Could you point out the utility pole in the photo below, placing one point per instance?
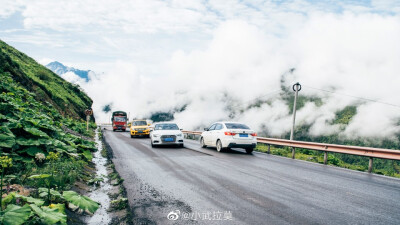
(296, 88)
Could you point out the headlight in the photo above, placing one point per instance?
(156, 135)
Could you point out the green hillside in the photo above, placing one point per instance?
(66, 98)
(44, 150)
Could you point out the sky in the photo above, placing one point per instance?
(217, 56)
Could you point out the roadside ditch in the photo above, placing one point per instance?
(111, 189)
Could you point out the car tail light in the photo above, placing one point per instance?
(230, 134)
(254, 134)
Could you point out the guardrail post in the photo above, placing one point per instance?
(293, 152)
(325, 157)
(269, 149)
(371, 160)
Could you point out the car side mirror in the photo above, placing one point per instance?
(206, 129)
(181, 129)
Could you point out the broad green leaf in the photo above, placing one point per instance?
(44, 191)
(88, 155)
(58, 143)
(6, 141)
(28, 199)
(6, 131)
(7, 138)
(36, 132)
(10, 177)
(27, 142)
(45, 141)
(69, 148)
(34, 122)
(39, 176)
(13, 124)
(81, 201)
(49, 216)
(9, 198)
(15, 215)
(32, 151)
(60, 207)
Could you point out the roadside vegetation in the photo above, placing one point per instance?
(381, 166)
(40, 161)
(44, 150)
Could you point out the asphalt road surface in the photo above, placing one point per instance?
(202, 186)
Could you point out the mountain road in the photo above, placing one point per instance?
(194, 185)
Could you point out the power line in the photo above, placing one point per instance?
(352, 96)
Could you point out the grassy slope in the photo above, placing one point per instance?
(38, 136)
(66, 98)
(32, 116)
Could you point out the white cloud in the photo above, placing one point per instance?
(45, 61)
(9, 7)
(374, 121)
(245, 62)
(215, 55)
(73, 78)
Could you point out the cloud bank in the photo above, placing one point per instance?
(214, 58)
(347, 53)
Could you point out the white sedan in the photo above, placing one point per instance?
(225, 135)
(166, 133)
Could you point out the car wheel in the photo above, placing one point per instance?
(131, 136)
(181, 145)
(113, 130)
(152, 145)
(124, 130)
(219, 146)
(202, 144)
(249, 150)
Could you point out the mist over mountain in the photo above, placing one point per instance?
(246, 75)
(61, 70)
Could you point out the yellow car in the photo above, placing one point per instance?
(140, 128)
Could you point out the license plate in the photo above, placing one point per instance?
(243, 135)
(168, 139)
(140, 131)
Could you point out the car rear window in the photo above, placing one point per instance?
(236, 126)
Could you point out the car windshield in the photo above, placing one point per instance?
(119, 119)
(236, 126)
(139, 123)
(166, 126)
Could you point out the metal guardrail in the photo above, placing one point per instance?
(344, 149)
(192, 132)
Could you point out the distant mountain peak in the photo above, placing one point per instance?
(61, 69)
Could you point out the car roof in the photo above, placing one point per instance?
(227, 122)
(164, 123)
